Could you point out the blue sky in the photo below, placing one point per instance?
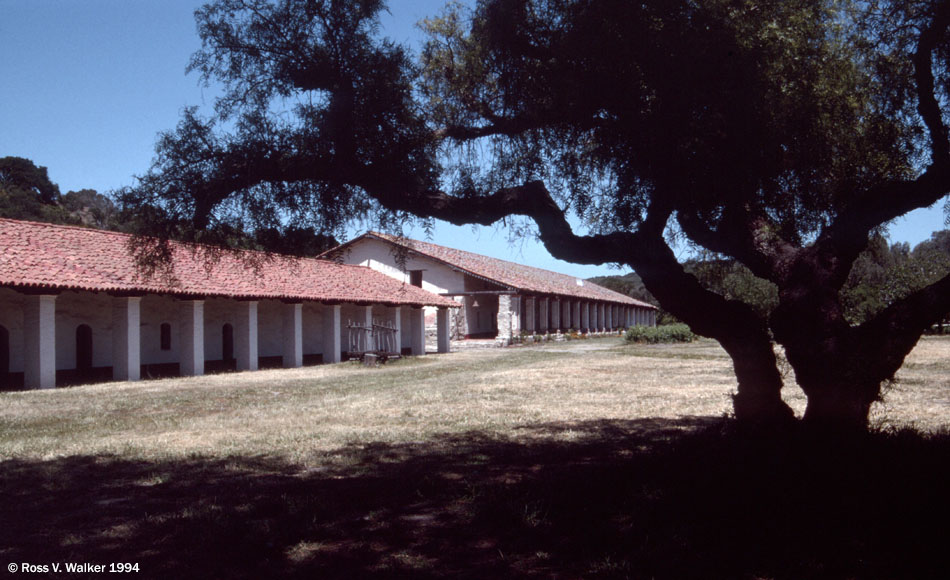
(86, 86)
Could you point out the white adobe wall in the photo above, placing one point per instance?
(270, 328)
(313, 317)
(218, 312)
(74, 309)
(436, 278)
(155, 311)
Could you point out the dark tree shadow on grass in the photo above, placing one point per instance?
(688, 498)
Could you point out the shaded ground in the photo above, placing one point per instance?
(647, 498)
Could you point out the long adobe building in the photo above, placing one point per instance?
(498, 299)
(74, 307)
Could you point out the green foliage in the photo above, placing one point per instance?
(26, 193)
(883, 274)
(728, 278)
(765, 104)
(320, 110)
(18, 173)
(734, 281)
(92, 209)
(629, 284)
(667, 333)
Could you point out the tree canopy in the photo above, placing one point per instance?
(27, 193)
(780, 135)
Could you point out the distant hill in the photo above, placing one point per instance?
(628, 284)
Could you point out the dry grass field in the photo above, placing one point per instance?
(587, 459)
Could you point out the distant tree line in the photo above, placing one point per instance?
(883, 274)
(27, 193)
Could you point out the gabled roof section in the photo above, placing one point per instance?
(519, 277)
(46, 257)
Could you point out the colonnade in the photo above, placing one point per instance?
(46, 333)
(520, 314)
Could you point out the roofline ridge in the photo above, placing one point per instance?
(561, 274)
(179, 243)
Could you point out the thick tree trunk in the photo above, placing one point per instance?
(839, 407)
(839, 367)
(839, 380)
(736, 326)
(758, 401)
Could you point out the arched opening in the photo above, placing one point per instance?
(227, 342)
(83, 348)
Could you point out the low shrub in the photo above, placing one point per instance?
(660, 334)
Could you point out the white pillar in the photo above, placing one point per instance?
(608, 317)
(332, 335)
(442, 329)
(293, 335)
(585, 318)
(514, 308)
(397, 320)
(417, 330)
(39, 336)
(126, 338)
(566, 314)
(529, 319)
(556, 315)
(543, 314)
(507, 318)
(245, 336)
(576, 316)
(368, 322)
(192, 338)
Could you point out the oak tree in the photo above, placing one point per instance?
(780, 135)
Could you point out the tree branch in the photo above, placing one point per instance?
(886, 339)
(927, 103)
(751, 240)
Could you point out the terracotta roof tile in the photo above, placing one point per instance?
(51, 257)
(515, 276)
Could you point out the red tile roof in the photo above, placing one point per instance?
(40, 257)
(527, 279)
